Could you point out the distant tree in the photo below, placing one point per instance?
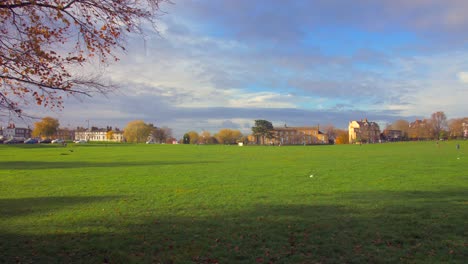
(110, 135)
(137, 131)
(167, 131)
(170, 140)
(47, 127)
(228, 136)
(193, 136)
(438, 123)
(205, 137)
(160, 134)
(443, 134)
(263, 129)
(186, 139)
(212, 140)
(401, 125)
(455, 127)
(342, 137)
(420, 130)
(45, 43)
(330, 131)
(244, 139)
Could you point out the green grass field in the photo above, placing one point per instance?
(383, 203)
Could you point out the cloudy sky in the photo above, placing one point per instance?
(222, 64)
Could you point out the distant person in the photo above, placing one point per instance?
(458, 146)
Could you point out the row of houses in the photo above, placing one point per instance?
(363, 131)
(369, 132)
(282, 135)
(94, 134)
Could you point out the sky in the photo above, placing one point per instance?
(223, 64)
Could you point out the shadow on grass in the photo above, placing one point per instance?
(104, 145)
(37, 165)
(39, 205)
(68, 146)
(422, 229)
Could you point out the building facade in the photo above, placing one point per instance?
(420, 130)
(65, 134)
(393, 135)
(100, 135)
(11, 131)
(293, 136)
(363, 132)
(465, 128)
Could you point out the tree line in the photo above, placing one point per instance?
(437, 126)
(136, 131)
(224, 136)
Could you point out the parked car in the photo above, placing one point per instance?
(31, 141)
(12, 141)
(45, 141)
(80, 141)
(57, 141)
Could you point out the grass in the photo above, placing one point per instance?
(383, 203)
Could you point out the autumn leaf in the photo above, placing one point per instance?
(28, 58)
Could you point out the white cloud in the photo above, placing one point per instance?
(463, 77)
(262, 99)
(199, 74)
(427, 84)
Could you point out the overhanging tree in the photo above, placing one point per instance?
(43, 43)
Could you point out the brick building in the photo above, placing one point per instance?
(294, 136)
(363, 131)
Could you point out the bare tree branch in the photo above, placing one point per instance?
(37, 50)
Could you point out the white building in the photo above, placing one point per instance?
(100, 135)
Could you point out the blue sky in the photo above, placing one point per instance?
(218, 64)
